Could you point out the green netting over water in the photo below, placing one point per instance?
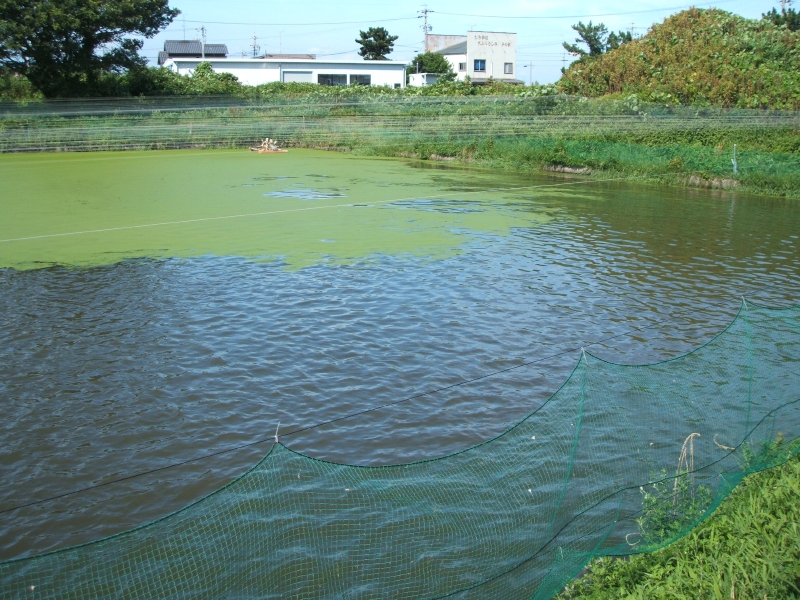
(621, 459)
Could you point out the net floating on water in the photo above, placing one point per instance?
(590, 472)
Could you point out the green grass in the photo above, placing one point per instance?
(620, 137)
(749, 548)
(760, 171)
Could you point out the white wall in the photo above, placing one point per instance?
(423, 79)
(256, 71)
(496, 49)
(434, 42)
(455, 60)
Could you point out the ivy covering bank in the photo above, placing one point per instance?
(701, 57)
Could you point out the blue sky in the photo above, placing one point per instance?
(329, 28)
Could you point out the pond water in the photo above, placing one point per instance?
(159, 306)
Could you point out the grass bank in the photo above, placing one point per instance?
(619, 137)
(759, 171)
(748, 548)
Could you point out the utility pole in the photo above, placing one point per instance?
(202, 31)
(425, 27)
(530, 72)
(255, 46)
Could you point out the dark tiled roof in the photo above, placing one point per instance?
(460, 48)
(162, 57)
(193, 48)
(216, 50)
(175, 47)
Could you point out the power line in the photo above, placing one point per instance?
(585, 16)
(275, 438)
(307, 23)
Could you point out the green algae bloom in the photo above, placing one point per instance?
(302, 208)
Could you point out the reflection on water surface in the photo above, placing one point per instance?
(169, 342)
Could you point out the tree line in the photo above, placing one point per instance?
(68, 48)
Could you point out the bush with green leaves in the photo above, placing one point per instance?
(699, 57)
(748, 548)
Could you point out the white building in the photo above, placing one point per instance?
(257, 71)
(423, 79)
(481, 55)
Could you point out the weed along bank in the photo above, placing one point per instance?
(300, 69)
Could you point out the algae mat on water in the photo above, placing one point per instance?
(303, 207)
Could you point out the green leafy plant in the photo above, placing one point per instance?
(699, 57)
(74, 47)
(748, 548)
(670, 506)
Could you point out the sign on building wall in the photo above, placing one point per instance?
(491, 54)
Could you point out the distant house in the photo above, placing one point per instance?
(423, 79)
(191, 49)
(481, 55)
(299, 68)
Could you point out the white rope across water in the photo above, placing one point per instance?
(307, 208)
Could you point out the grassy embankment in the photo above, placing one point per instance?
(606, 137)
(698, 58)
(689, 68)
(748, 548)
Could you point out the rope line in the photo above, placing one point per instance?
(307, 208)
(358, 413)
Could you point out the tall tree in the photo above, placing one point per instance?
(597, 39)
(787, 16)
(615, 40)
(594, 36)
(65, 47)
(376, 43)
(431, 62)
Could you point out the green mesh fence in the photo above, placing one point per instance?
(621, 459)
(516, 132)
(208, 123)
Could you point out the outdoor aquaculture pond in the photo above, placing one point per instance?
(158, 307)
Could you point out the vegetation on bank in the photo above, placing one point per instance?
(650, 160)
(153, 82)
(690, 59)
(748, 548)
(699, 57)
(606, 137)
(695, 57)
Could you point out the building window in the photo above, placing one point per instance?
(361, 79)
(462, 67)
(331, 79)
(480, 65)
(508, 68)
(298, 77)
(397, 86)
